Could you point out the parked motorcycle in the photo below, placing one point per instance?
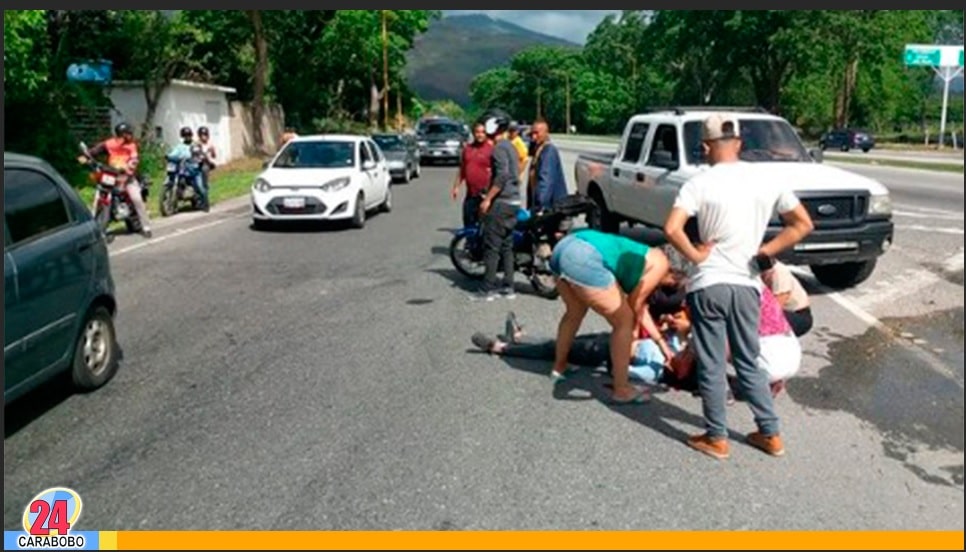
(540, 231)
(178, 188)
(112, 201)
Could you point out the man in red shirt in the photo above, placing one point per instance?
(474, 173)
(122, 154)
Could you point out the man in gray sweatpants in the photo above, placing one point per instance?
(733, 202)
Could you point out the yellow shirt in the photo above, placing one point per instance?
(522, 151)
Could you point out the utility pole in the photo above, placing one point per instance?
(385, 69)
(567, 77)
(948, 75)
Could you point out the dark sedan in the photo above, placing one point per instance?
(402, 155)
(846, 139)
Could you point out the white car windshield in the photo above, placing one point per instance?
(316, 155)
(761, 140)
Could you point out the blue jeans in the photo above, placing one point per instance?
(198, 183)
(580, 263)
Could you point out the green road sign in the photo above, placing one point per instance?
(924, 55)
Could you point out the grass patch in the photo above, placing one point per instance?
(227, 182)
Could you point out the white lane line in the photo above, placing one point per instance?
(921, 209)
(900, 285)
(926, 357)
(176, 234)
(954, 263)
(931, 229)
(929, 216)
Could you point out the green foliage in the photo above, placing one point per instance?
(817, 68)
(322, 64)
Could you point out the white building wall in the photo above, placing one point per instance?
(178, 106)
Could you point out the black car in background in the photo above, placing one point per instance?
(846, 139)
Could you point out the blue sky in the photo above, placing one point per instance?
(573, 25)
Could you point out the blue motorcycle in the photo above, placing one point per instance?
(178, 187)
(533, 240)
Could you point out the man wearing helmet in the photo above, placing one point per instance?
(192, 156)
(208, 148)
(122, 154)
(499, 208)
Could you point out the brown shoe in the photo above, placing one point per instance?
(771, 444)
(715, 447)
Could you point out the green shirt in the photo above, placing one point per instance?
(623, 256)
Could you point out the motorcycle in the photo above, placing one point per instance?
(112, 201)
(532, 233)
(178, 187)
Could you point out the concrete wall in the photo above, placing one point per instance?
(273, 125)
(179, 106)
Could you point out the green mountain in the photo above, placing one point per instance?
(456, 48)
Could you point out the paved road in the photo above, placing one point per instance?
(947, 157)
(321, 378)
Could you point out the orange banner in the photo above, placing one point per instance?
(510, 540)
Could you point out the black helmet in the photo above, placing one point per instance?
(203, 131)
(122, 129)
(495, 121)
(186, 132)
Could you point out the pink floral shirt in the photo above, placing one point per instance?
(773, 321)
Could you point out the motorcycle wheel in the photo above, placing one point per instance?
(103, 218)
(168, 202)
(463, 259)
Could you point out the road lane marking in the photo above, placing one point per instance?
(931, 229)
(850, 306)
(928, 215)
(176, 234)
(954, 263)
(900, 285)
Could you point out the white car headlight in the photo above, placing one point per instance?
(337, 184)
(262, 185)
(452, 143)
(880, 205)
(422, 143)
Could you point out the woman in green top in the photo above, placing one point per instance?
(613, 275)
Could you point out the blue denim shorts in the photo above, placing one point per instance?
(580, 263)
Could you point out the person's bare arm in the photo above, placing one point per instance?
(798, 225)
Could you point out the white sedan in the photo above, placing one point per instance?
(325, 177)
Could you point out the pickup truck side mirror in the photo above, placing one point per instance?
(817, 154)
(664, 160)
(368, 165)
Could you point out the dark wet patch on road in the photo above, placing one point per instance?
(884, 381)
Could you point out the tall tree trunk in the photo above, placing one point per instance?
(260, 79)
(152, 95)
(843, 103)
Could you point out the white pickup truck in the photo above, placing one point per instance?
(659, 151)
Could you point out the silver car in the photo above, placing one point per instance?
(402, 155)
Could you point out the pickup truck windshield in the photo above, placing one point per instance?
(762, 140)
(443, 128)
(316, 155)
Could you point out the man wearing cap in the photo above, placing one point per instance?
(733, 202)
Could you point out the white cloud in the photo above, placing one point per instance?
(572, 25)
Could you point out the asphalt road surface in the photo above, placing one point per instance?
(323, 378)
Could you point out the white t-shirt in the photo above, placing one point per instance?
(733, 203)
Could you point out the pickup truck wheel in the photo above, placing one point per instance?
(601, 218)
(845, 275)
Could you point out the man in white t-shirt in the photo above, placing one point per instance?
(733, 202)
